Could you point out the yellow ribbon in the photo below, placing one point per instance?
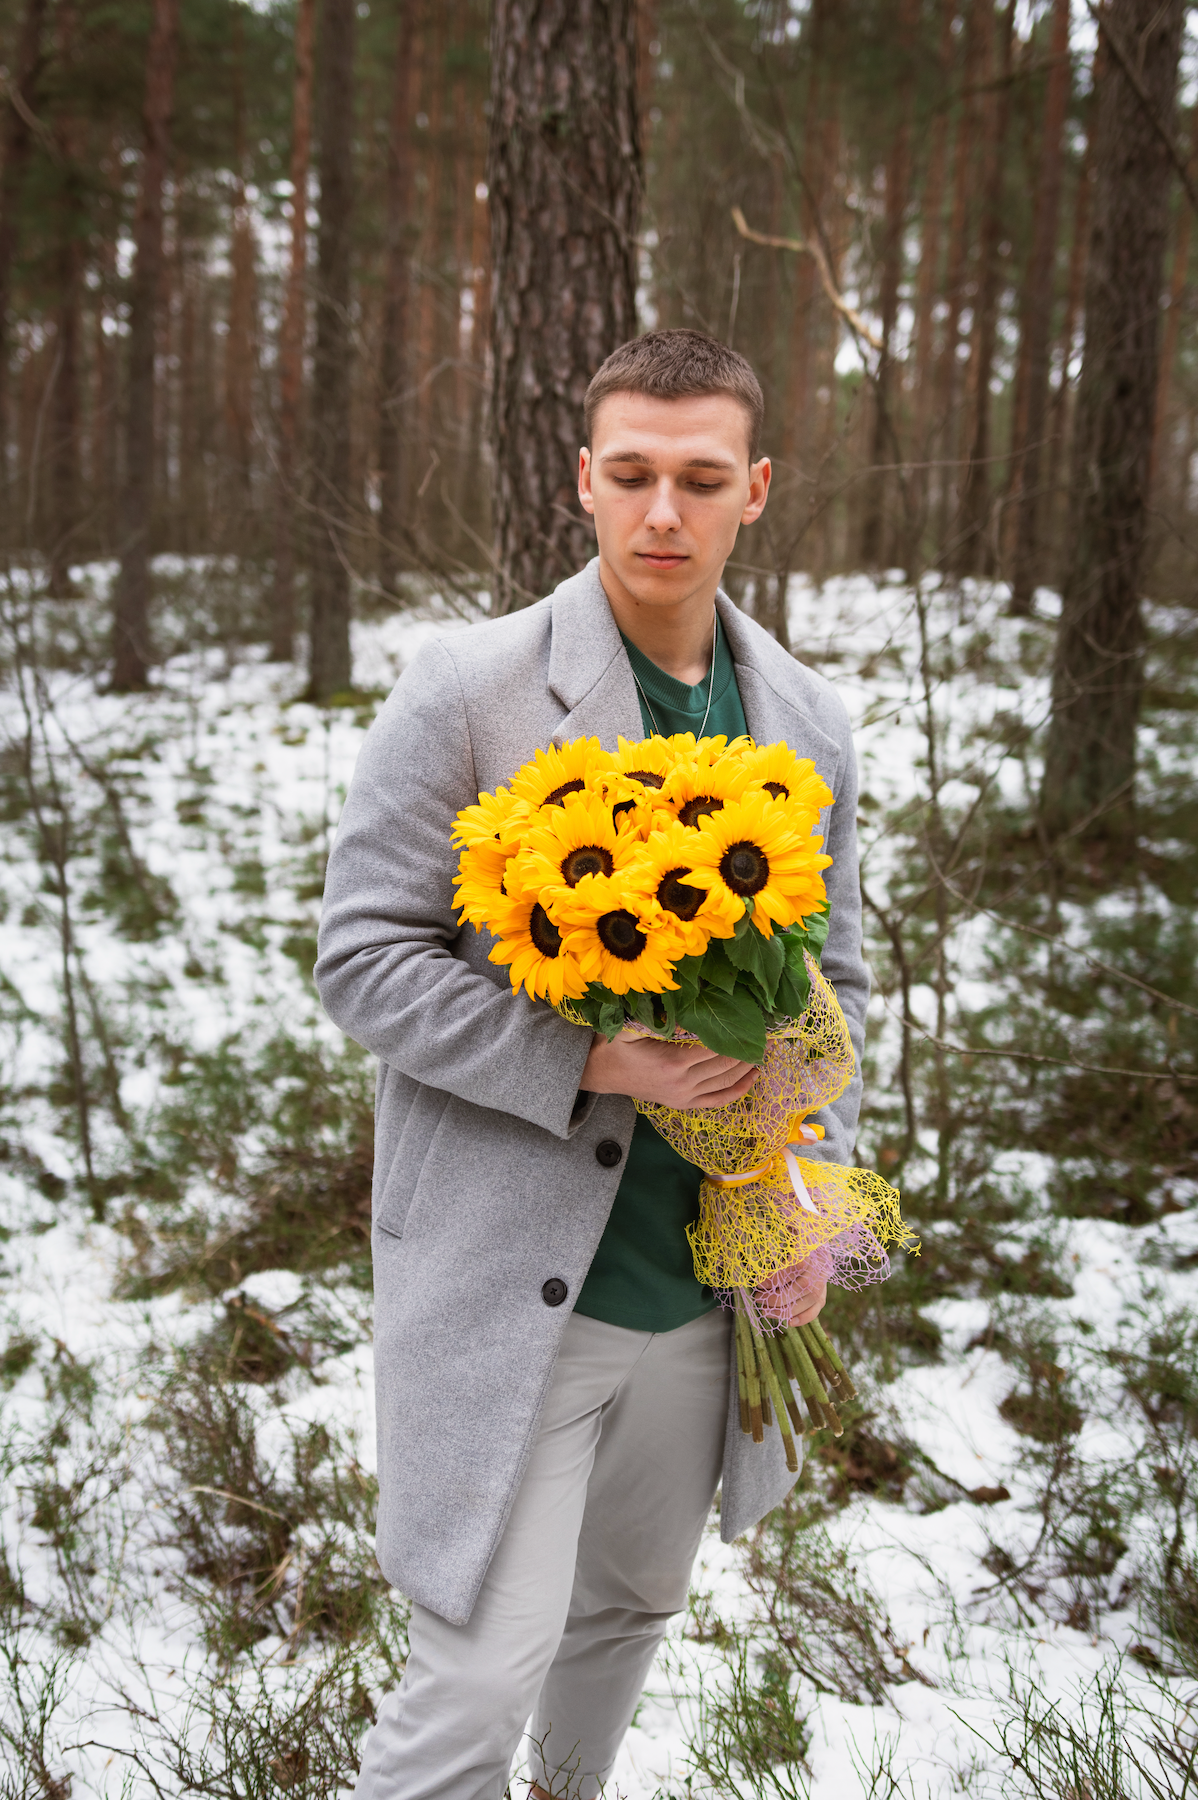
(807, 1134)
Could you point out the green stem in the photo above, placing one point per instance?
(771, 1383)
(752, 1383)
(780, 1370)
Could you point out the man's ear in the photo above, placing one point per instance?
(759, 487)
(586, 498)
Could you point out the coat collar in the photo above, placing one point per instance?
(591, 676)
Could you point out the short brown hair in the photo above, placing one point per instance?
(678, 365)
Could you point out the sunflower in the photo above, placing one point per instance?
(531, 943)
(577, 838)
(705, 782)
(647, 760)
(755, 850)
(701, 906)
(497, 818)
(484, 881)
(556, 772)
(620, 936)
(777, 769)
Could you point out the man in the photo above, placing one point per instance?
(556, 1393)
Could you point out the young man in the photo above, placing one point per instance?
(556, 1393)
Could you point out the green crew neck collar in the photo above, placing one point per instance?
(675, 696)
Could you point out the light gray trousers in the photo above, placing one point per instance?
(595, 1557)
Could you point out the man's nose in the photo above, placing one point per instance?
(662, 514)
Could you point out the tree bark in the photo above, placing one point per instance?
(330, 669)
(1079, 250)
(1097, 674)
(969, 548)
(240, 336)
(1036, 334)
(393, 369)
(64, 458)
(885, 446)
(291, 347)
(929, 276)
(17, 142)
(565, 185)
(1177, 288)
(964, 163)
(131, 613)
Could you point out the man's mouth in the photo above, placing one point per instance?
(661, 559)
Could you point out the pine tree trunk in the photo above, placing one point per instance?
(1177, 288)
(929, 276)
(1036, 334)
(17, 142)
(64, 446)
(965, 149)
(330, 668)
(291, 346)
(393, 369)
(131, 610)
(885, 448)
(240, 336)
(564, 178)
(1097, 674)
(798, 438)
(1079, 250)
(970, 551)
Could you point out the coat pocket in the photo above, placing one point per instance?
(394, 1199)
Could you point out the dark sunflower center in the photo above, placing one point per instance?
(620, 933)
(622, 807)
(559, 793)
(543, 932)
(776, 789)
(646, 777)
(745, 868)
(694, 809)
(588, 859)
(673, 893)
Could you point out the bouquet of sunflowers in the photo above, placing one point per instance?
(674, 888)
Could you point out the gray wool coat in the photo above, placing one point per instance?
(486, 1179)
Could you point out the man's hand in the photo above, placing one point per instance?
(682, 1075)
(803, 1307)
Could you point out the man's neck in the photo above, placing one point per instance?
(679, 638)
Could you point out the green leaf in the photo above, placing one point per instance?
(730, 1024)
(715, 967)
(793, 992)
(612, 1018)
(640, 1006)
(762, 957)
(817, 932)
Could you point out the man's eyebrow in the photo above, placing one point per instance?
(692, 462)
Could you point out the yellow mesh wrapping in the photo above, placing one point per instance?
(751, 1231)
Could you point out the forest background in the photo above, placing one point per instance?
(250, 451)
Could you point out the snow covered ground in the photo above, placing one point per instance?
(227, 794)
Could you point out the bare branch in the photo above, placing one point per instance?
(825, 274)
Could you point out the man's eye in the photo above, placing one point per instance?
(706, 487)
(630, 480)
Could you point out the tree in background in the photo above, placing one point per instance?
(1097, 676)
(18, 116)
(393, 356)
(131, 609)
(291, 346)
(328, 538)
(564, 175)
(1035, 336)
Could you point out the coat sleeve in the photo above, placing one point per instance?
(843, 961)
(390, 971)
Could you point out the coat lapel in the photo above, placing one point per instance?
(590, 675)
(773, 717)
(589, 672)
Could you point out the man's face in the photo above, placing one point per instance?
(669, 483)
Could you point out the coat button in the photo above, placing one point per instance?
(554, 1292)
(608, 1152)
